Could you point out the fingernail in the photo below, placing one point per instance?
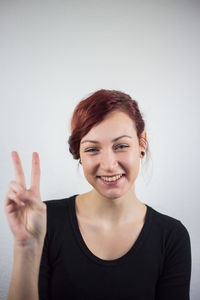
(22, 203)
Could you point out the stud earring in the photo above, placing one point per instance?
(143, 153)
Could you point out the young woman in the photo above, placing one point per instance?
(106, 243)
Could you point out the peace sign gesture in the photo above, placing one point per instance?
(25, 211)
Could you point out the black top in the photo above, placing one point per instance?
(157, 267)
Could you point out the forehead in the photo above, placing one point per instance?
(115, 124)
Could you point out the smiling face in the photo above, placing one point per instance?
(110, 149)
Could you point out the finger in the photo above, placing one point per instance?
(19, 173)
(15, 187)
(12, 208)
(11, 198)
(26, 197)
(35, 173)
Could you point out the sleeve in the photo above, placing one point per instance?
(44, 271)
(174, 282)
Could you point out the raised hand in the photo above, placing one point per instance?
(25, 211)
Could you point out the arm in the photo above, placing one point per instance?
(174, 282)
(26, 215)
(24, 281)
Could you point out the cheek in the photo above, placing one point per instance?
(88, 164)
(132, 162)
(131, 158)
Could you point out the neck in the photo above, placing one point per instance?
(113, 211)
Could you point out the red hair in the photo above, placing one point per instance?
(92, 110)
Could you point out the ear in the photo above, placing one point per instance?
(143, 141)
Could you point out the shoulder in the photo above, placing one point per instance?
(171, 230)
(57, 209)
(59, 203)
(166, 222)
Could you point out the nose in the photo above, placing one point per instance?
(108, 161)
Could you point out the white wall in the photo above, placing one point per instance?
(54, 53)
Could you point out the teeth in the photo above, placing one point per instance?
(111, 178)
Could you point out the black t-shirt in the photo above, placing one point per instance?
(157, 267)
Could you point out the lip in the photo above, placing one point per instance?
(111, 175)
(116, 182)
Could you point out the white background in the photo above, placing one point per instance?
(55, 53)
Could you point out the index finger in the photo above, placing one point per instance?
(35, 173)
(19, 173)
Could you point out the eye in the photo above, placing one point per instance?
(121, 146)
(90, 150)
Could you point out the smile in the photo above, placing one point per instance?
(111, 180)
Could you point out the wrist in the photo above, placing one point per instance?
(28, 248)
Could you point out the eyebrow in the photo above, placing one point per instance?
(96, 142)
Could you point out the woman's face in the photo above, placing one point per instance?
(111, 149)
